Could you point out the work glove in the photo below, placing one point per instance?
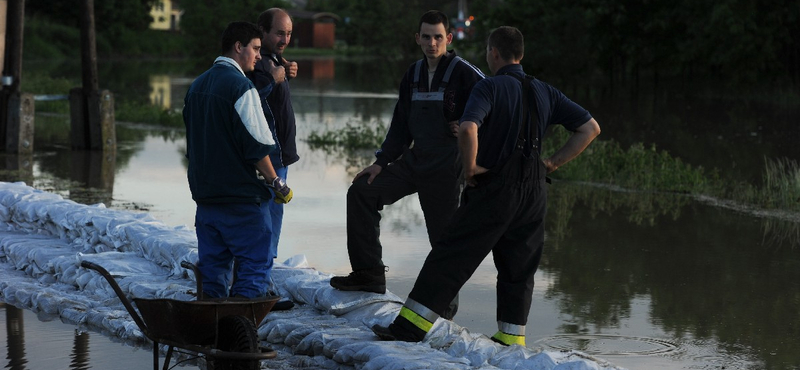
(283, 194)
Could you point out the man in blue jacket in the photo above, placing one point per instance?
(228, 142)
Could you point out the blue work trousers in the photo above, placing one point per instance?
(276, 214)
(234, 230)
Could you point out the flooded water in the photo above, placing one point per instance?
(643, 280)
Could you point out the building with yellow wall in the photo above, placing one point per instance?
(166, 15)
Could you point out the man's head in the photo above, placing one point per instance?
(241, 41)
(505, 46)
(276, 26)
(433, 36)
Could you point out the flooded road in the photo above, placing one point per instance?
(643, 280)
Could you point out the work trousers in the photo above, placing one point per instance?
(504, 215)
(438, 197)
(234, 230)
(276, 213)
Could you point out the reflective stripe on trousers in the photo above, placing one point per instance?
(510, 333)
(419, 315)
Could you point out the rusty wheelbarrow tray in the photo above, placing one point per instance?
(224, 330)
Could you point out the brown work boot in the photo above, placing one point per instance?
(373, 280)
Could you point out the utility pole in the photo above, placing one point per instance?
(16, 109)
(91, 109)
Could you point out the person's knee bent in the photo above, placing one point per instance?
(358, 191)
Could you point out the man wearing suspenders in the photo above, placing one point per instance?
(503, 206)
(419, 155)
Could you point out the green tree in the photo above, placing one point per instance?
(381, 28)
(111, 17)
(204, 20)
(619, 42)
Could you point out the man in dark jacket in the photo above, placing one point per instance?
(503, 207)
(228, 142)
(419, 155)
(276, 26)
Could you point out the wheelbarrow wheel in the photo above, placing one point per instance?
(237, 334)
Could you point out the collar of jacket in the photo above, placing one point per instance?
(226, 60)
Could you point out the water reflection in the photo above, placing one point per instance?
(35, 344)
(17, 166)
(708, 273)
(161, 91)
(80, 352)
(15, 335)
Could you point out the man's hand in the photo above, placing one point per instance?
(454, 128)
(574, 146)
(372, 171)
(291, 68)
(469, 175)
(283, 194)
(278, 72)
(549, 165)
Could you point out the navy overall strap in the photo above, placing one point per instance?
(417, 73)
(528, 121)
(448, 73)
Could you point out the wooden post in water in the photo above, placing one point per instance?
(91, 110)
(19, 124)
(16, 130)
(3, 15)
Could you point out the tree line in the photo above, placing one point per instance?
(736, 42)
(739, 43)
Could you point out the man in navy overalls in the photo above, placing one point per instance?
(419, 155)
(503, 206)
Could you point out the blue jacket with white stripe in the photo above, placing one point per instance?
(226, 134)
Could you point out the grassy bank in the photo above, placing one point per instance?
(52, 41)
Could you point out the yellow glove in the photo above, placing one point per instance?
(283, 194)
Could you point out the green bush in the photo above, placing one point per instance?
(129, 111)
(363, 135)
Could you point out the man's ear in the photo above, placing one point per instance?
(449, 38)
(416, 38)
(495, 53)
(237, 47)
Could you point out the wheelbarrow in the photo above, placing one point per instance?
(224, 330)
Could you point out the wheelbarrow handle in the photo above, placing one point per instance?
(198, 278)
(122, 297)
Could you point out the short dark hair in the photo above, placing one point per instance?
(243, 32)
(508, 41)
(266, 17)
(434, 17)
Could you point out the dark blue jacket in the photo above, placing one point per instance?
(226, 134)
(277, 99)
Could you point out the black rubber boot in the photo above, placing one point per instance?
(400, 329)
(373, 280)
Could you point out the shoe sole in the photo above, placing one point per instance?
(283, 306)
(383, 333)
(380, 289)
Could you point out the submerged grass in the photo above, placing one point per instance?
(147, 113)
(354, 136)
(645, 168)
(780, 188)
(640, 167)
